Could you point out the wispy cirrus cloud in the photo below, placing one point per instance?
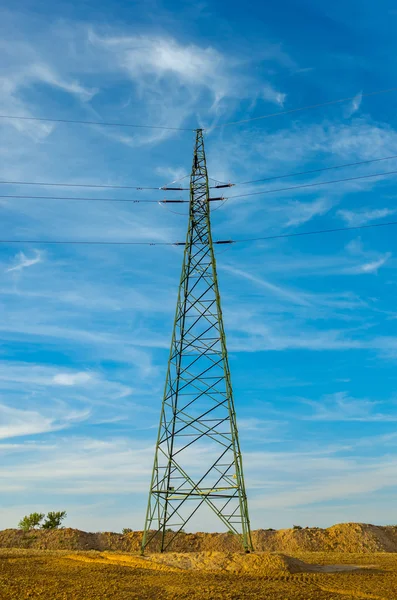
(365, 261)
(295, 297)
(361, 217)
(190, 65)
(23, 262)
(285, 479)
(354, 104)
(16, 422)
(326, 142)
(373, 266)
(184, 74)
(70, 379)
(25, 67)
(340, 406)
(302, 212)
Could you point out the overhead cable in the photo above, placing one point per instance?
(220, 198)
(132, 200)
(92, 185)
(163, 127)
(107, 124)
(135, 125)
(316, 232)
(170, 186)
(166, 188)
(308, 185)
(354, 164)
(218, 242)
(293, 110)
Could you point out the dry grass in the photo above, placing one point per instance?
(65, 575)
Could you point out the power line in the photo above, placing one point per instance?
(219, 242)
(134, 201)
(307, 185)
(273, 191)
(92, 185)
(293, 110)
(354, 164)
(169, 187)
(316, 232)
(134, 125)
(95, 123)
(191, 129)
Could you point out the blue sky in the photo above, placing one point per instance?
(311, 322)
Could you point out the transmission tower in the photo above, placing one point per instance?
(197, 459)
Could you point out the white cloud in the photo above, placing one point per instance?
(355, 247)
(272, 95)
(24, 261)
(25, 68)
(362, 217)
(325, 143)
(285, 293)
(43, 73)
(160, 65)
(374, 266)
(173, 174)
(48, 397)
(358, 478)
(373, 262)
(277, 481)
(302, 212)
(72, 378)
(342, 407)
(16, 422)
(354, 105)
(258, 338)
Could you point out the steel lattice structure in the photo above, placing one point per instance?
(198, 419)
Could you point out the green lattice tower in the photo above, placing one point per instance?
(197, 458)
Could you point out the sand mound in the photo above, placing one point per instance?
(230, 562)
(257, 564)
(347, 537)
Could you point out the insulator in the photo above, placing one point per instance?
(172, 188)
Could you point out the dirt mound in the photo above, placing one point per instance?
(70, 539)
(257, 564)
(231, 562)
(346, 537)
(224, 562)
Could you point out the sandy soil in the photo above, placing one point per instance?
(65, 575)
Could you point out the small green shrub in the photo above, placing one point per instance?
(54, 519)
(296, 527)
(126, 530)
(30, 521)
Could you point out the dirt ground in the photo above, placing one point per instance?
(211, 575)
